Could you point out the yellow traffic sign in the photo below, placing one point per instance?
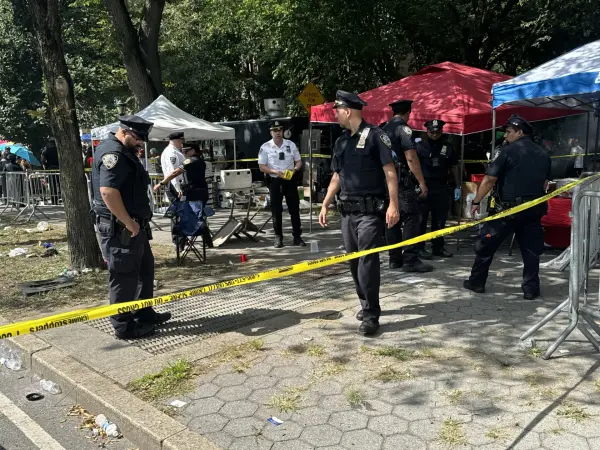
(311, 96)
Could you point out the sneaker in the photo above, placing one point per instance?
(278, 243)
(299, 242)
(136, 330)
(419, 267)
(424, 254)
(368, 327)
(473, 287)
(443, 253)
(359, 315)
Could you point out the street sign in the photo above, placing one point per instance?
(311, 96)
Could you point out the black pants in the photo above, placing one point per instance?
(130, 274)
(278, 189)
(408, 202)
(363, 232)
(437, 203)
(173, 196)
(527, 227)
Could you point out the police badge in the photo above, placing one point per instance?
(444, 149)
(187, 161)
(287, 148)
(110, 160)
(173, 160)
(386, 140)
(407, 130)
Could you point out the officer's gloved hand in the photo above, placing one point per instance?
(456, 194)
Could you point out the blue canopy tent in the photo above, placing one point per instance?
(571, 81)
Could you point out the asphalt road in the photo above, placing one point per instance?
(43, 424)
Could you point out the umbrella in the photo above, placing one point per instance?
(23, 152)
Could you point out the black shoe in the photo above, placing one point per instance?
(419, 266)
(359, 315)
(299, 242)
(443, 253)
(136, 330)
(368, 327)
(158, 318)
(395, 265)
(424, 254)
(473, 287)
(531, 295)
(278, 243)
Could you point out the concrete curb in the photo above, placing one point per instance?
(144, 425)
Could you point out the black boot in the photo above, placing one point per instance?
(443, 253)
(299, 242)
(136, 330)
(278, 242)
(467, 284)
(369, 327)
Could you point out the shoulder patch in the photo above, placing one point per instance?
(386, 140)
(407, 130)
(110, 160)
(173, 160)
(496, 156)
(187, 161)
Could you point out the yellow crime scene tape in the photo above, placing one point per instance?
(468, 161)
(304, 155)
(84, 315)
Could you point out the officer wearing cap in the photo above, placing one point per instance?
(122, 209)
(438, 160)
(363, 174)
(411, 186)
(274, 158)
(172, 158)
(519, 173)
(193, 170)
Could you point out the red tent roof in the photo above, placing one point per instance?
(459, 95)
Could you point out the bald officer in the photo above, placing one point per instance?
(274, 158)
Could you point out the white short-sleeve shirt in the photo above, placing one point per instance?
(269, 154)
(172, 159)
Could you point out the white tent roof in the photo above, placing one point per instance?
(569, 81)
(168, 118)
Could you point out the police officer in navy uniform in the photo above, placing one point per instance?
(438, 160)
(364, 174)
(122, 209)
(194, 186)
(411, 186)
(519, 173)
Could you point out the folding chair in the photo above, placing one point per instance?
(189, 225)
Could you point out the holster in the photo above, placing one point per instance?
(365, 205)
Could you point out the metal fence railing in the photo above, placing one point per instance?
(585, 249)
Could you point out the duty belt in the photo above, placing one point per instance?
(108, 221)
(365, 205)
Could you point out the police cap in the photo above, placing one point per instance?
(139, 126)
(516, 121)
(176, 135)
(435, 125)
(401, 106)
(276, 125)
(345, 99)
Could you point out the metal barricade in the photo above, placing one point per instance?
(585, 248)
(15, 188)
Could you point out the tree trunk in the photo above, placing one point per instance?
(83, 246)
(143, 65)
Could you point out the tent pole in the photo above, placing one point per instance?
(146, 154)
(587, 141)
(493, 132)
(596, 140)
(460, 177)
(310, 174)
(234, 155)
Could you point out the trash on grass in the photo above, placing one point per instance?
(35, 287)
(275, 421)
(43, 226)
(50, 251)
(46, 244)
(526, 344)
(178, 403)
(86, 270)
(17, 252)
(50, 386)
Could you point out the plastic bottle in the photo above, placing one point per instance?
(50, 386)
(13, 360)
(109, 428)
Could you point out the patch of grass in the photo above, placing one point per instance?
(423, 330)
(426, 352)
(243, 352)
(355, 397)
(241, 367)
(330, 369)
(547, 392)
(455, 396)
(401, 354)
(315, 350)
(295, 349)
(452, 432)
(535, 351)
(498, 434)
(597, 384)
(533, 379)
(173, 380)
(289, 401)
(574, 412)
(389, 374)
(557, 431)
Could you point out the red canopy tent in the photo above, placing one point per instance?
(460, 95)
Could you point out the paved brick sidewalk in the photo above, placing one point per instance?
(445, 372)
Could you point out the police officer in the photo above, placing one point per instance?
(122, 208)
(438, 159)
(193, 170)
(50, 161)
(519, 173)
(274, 158)
(411, 186)
(171, 158)
(363, 174)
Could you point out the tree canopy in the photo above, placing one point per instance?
(218, 59)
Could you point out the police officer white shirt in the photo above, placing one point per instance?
(270, 154)
(170, 160)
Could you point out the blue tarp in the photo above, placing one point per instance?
(569, 81)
